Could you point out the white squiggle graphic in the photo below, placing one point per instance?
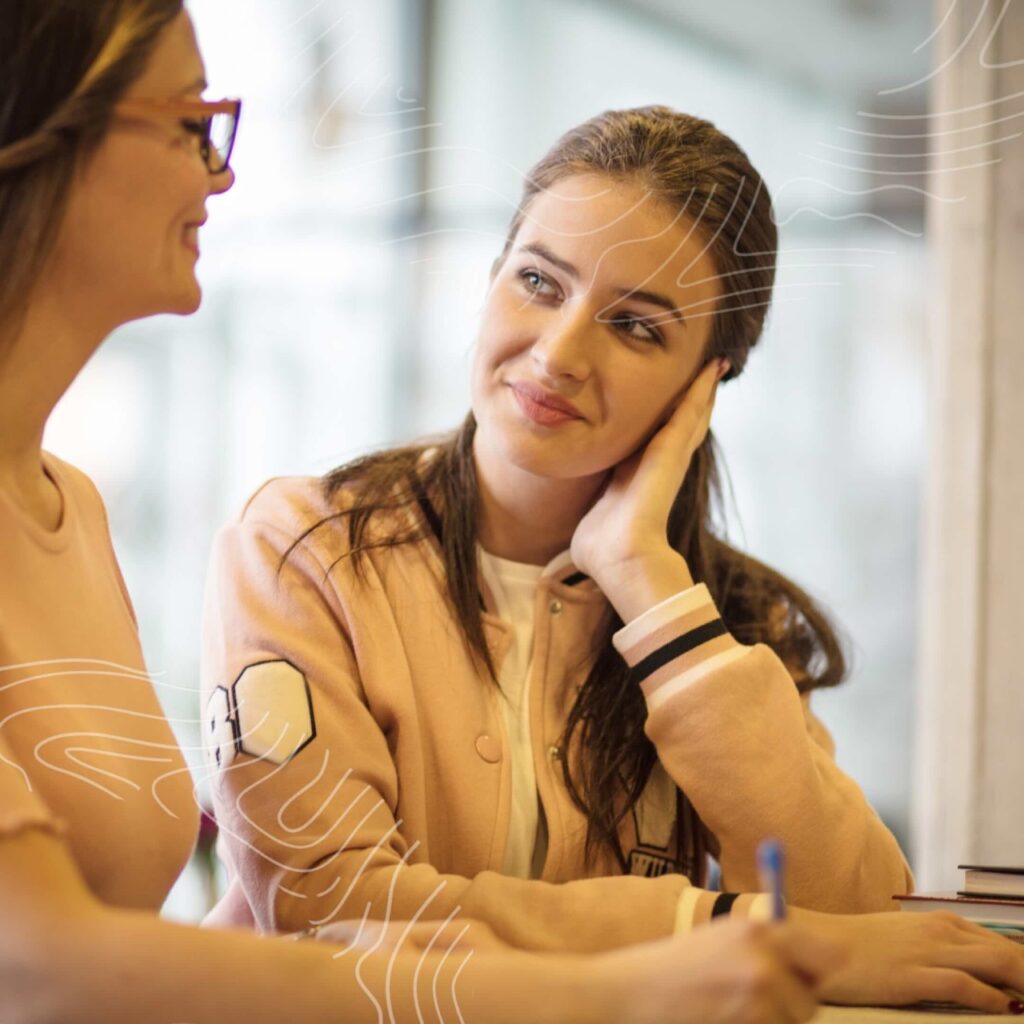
(354, 944)
(425, 954)
(437, 978)
(942, 113)
(857, 215)
(935, 31)
(290, 844)
(371, 852)
(922, 156)
(302, 17)
(336, 911)
(71, 754)
(334, 885)
(455, 984)
(316, 40)
(982, 60)
(934, 72)
(374, 948)
(297, 845)
(77, 755)
(135, 676)
(929, 135)
(873, 190)
(123, 672)
(97, 736)
(389, 973)
(916, 174)
(305, 788)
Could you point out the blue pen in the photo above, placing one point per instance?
(771, 862)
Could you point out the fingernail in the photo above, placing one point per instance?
(1016, 1007)
(724, 366)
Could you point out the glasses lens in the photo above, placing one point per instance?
(222, 136)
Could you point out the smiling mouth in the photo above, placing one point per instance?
(541, 408)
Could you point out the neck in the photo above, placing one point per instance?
(524, 517)
(38, 363)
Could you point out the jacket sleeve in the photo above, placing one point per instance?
(306, 791)
(734, 733)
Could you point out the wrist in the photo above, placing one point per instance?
(639, 582)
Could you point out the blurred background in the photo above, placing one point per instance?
(380, 158)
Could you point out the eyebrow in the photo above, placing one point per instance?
(641, 295)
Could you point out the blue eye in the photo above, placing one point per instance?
(536, 282)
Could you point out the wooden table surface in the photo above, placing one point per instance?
(871, 1015)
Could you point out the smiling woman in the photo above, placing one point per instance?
(62, 130)
(107, 160)
(457, 609)
(151, 241)
(513, 673)
(587, 308)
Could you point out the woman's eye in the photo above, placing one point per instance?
(536, 282)
(637, 329)
(196, 127)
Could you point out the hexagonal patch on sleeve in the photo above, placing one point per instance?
(220, 728)
(267, 714)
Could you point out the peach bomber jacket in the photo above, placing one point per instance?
(359, 764)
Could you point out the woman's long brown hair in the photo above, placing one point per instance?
(64, 64)
(607, 759)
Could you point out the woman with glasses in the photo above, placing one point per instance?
(108, 159)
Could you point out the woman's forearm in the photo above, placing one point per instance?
(128, 967)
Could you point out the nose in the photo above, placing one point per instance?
(562, 348)
(222, 181)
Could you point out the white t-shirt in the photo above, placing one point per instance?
(513, 585)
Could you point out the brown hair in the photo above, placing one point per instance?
(63, 66)
(687, 164)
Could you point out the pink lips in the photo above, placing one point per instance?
(542, 406)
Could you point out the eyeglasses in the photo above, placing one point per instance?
(215, 124)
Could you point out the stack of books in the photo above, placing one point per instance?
(991, 896)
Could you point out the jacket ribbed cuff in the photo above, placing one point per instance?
(699, 906)
(676, 642)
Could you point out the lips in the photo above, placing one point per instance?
(190, 235)
(543, 407)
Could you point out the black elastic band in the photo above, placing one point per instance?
(723, 905)
(678, 647)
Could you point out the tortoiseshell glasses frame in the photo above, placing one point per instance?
(215, 123)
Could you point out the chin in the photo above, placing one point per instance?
(552, 461)
(187, 303)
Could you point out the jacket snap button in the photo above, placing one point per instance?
(489, 749)
(555, 607)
